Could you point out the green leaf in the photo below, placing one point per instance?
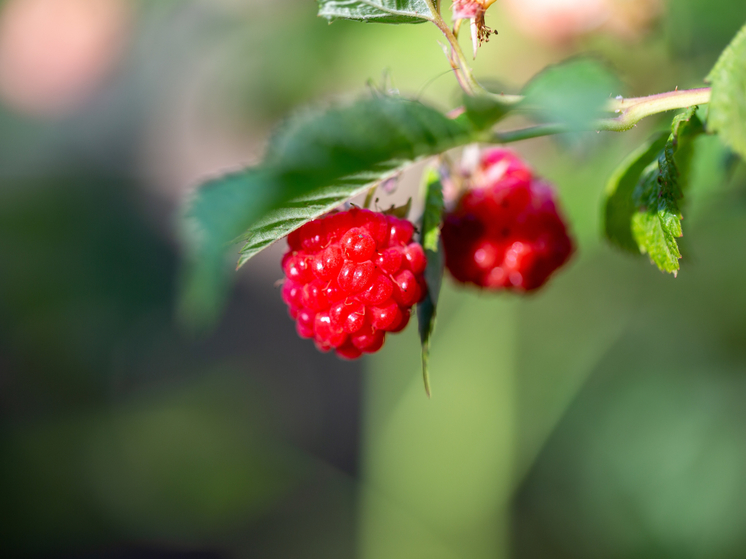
(402, 212)
(433, 213)
(657, 223)
(618, 205)
(315, 161)
(656, 227)
(483, 111)
(573, 93)
(220, 209)
(277, 224)
(643, 206)
(427, 309)
(378, 11)
(728, 104)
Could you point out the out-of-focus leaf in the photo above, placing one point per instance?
(400, 211)
(573, 93)
(427, 309)
(378, 11)
(325, 156)
(712, 170)
(483, 111)
(698, 29)
(618, 205)
(728, 105)
(642, 209)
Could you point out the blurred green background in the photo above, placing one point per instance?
(603, 417)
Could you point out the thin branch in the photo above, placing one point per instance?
(528, 133)
(632, 110)
(457, 59)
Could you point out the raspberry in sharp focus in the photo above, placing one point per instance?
(351, 277)
(506, 232)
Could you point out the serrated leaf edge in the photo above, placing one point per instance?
(325, 198)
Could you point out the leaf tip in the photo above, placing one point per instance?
(426, 379)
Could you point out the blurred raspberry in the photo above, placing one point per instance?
(561, 21)
(506, 231)
(351, 277)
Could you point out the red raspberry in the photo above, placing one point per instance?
(506, 232)
(351, 277)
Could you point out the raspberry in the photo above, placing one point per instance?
(506, 232)
(351, 277)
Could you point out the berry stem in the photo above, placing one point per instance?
(631, 110)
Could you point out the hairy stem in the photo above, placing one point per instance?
(631, 110)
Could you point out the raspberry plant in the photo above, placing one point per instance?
(321, 159)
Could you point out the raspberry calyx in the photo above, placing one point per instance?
(351, 277)
(506, 231)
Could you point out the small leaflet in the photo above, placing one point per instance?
(427, 309)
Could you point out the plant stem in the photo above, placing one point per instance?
(457, 59)
(632, 110)
(527, 133)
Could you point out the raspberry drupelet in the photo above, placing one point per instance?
(506, 231)
(351, 277)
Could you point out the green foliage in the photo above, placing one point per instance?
(433, 213)
(573, 93)
(655, 228)
(319, 159)
(427, 310)
(642, 208)
(278, 223)
(402, 212)
(378, 11)
(728, 105)
(483, 111)
(618, 205)
(326, 157)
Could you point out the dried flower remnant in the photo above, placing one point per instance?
(474, 11)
